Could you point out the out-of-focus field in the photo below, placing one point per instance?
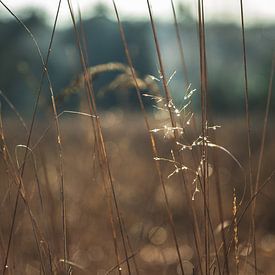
(139, 194)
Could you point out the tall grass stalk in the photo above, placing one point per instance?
(168, 100)
(260, 160)
(102, 149)
(44, 73)
(152, 139)
(216, 251)
(264, 132)
(203, 83)
(248, 128)
(180, 45)
(98, 147)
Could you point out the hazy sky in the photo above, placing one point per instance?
(222, 10)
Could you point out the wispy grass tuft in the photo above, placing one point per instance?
(93, 191)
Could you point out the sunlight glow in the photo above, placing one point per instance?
(222, 11)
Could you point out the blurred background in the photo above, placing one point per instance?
(126, 138)
(21, 69)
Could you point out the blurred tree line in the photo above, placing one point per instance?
(21, 68)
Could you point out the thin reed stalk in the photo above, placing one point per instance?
(97, 140)
(172, 120)
(17, 179)
(152, 138)
(240, 215)
(103, 154)
(180, 45)
(264, 132)
(203, 81)
(44, 73)
(220, 210)
(185, 70)
(260, 160)
(248, 128)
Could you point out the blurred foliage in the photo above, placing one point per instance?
(21, 69)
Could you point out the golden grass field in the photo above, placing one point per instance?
(164, 190)
(140, 197)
